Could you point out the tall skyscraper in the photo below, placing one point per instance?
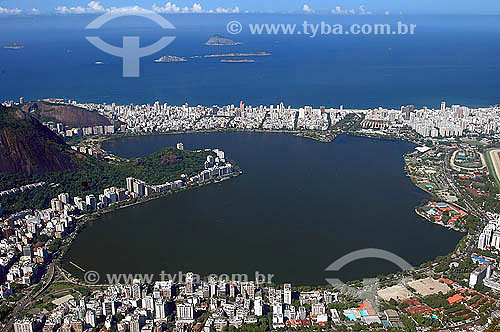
(258, 306)
(28, 251)
(136, 290)
(64, 197)
(139, 187)
(108, 308)
(160, 309)
(135, 324)
(185, 312)
(287, 294)
(189, 283)
(130, 184)
(91, 202)
(90, 318)
(148, 303)
(251, 290)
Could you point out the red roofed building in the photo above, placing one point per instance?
(416, 307)
(298, 323)
(457, 298)
(446, 281)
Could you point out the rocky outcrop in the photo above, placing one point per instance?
(27, 146)
(69, 115)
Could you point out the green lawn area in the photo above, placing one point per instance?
(59, 286)
(491, 169)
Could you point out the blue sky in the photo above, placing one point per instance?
(223, 6)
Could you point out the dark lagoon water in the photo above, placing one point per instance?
(298, 206)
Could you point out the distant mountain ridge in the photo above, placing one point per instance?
(28, 147)
(69, 115)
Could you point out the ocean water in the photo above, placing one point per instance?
(452, 58)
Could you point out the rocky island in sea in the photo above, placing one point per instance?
(237, 54)
(170, 58)
(14, 47)
(237, 61)
(217, 40)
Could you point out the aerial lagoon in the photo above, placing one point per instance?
(298, 206)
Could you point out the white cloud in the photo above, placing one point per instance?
(129, 10)
(363, 11)
(307, 9)
(340, 11)
(197, 8)
(70, 10)
(92, 7)
(169, 7)
(10, 11)
(234, 10)
(96, 6)
(387, 12)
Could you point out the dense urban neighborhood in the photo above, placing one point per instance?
(456, 161)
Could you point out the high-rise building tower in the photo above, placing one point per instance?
(287, 294)
(185, 312)
(160, 309)
(189, 283)
(130, 184)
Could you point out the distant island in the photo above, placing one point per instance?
(13, 47)
(237, 61)
(221, 41)
(237, 54)
(170, 58)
